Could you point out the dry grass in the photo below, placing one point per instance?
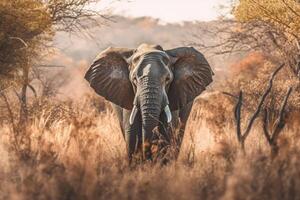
(72, 152)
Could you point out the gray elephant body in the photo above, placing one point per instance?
(149, 87)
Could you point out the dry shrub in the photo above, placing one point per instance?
(80, 154)
(257, 177)
(251, 75)
(69, 151)
(248, 66)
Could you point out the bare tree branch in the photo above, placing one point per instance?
(33, 90)
(237, 113)
(278, 125)
(20, 40)
(231, 95)
(290, 8)
(265, 126)
(264, 96)
(237, 116)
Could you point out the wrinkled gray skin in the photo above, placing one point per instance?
(144, 84)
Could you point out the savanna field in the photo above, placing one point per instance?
(60, 140)
(75, 150)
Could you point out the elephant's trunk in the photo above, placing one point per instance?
(151, 97)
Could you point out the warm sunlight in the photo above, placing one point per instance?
(149, 99)
(170, 10)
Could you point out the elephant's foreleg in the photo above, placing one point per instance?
(132, 133)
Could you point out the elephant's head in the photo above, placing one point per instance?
(150, 80)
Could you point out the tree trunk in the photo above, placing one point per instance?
(23, 99)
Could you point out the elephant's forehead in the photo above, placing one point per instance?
(149, 47)
(148, 51)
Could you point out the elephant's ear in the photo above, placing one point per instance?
(192, 74)
(109, 76)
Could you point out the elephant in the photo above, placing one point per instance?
(149, 88)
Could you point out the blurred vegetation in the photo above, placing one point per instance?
(284, 15)
(265, 34)
(279, 20)
(27, 28)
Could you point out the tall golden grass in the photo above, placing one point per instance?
(71, 151)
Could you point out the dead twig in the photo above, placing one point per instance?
(230, 95)
(20, 40)
(278, 125)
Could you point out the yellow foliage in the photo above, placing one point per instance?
(24, 18)
(282, 14)
(24, 28)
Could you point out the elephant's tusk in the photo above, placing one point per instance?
(133, 114)
(168, 113)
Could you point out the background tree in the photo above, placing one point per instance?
(269, 27)
(27, 28)
(282, 20)
(265, 34)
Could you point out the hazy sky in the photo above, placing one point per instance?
(167, 10)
